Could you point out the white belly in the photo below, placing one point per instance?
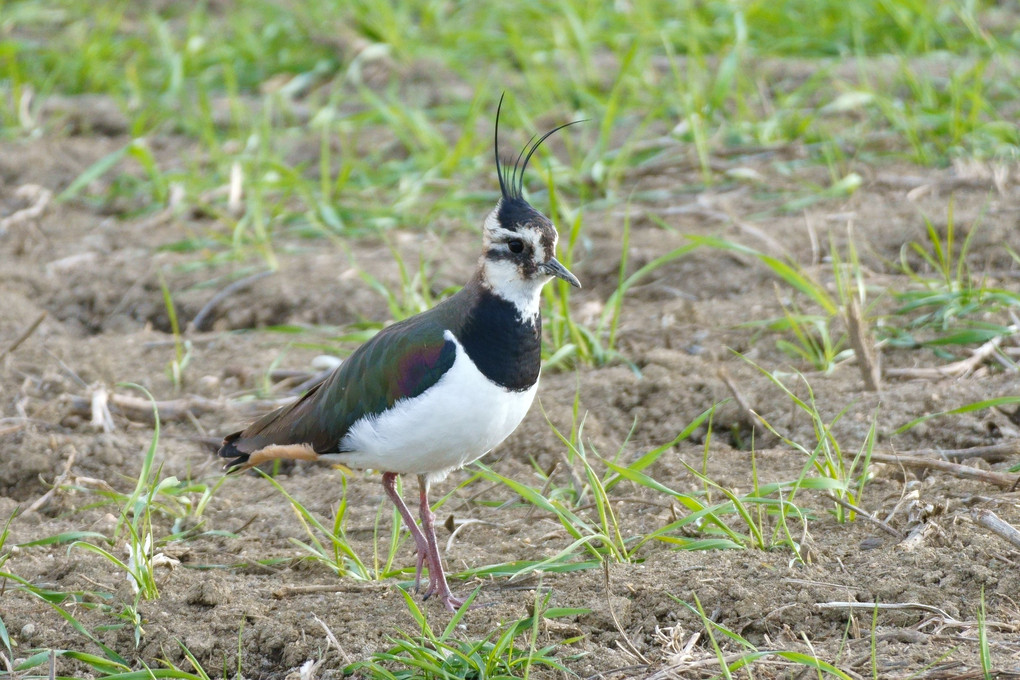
(454, 422)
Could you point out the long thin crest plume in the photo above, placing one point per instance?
(501, 170)
(511, 178)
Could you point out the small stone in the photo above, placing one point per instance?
(28, 631)
(209, 386)
(871, 543)
(105, 524)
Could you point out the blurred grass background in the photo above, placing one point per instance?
(341, 118)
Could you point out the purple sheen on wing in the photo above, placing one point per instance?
(413, 367)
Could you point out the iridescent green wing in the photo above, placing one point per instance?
(400, 362)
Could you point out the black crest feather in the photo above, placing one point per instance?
(511, 177)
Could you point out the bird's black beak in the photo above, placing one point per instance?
(554, 268)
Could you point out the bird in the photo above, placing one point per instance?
(434, 392)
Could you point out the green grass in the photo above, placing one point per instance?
(768, 516)
(843, 473)
(812, 328)
(966, 408)
(940, 303)
(984, 650)
(947, 305)
(112, 670)
(135, 524)
(155, 501)
(229, 85)
(572, 343)
(511, 651)
(296, 124)
(328, 545)
(720, 636)
(269, 129)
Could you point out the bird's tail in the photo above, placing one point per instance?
(238, 460)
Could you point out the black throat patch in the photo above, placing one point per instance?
(507, 350)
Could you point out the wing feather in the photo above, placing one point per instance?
(400, 362)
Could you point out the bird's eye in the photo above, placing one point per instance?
(515, 246)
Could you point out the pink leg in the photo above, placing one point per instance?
(390, 486)
(437, 577)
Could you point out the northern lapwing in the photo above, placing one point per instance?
(439, 390)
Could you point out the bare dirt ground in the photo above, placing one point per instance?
(95, 277)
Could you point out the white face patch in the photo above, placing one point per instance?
(494, 234)
(505, 277)
(491, 226)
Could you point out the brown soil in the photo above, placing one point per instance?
(95, 277)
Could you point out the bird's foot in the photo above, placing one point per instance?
(452, 603)
(437, 587)
(446, 596)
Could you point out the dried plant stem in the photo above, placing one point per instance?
(992, 453)
(138, 409)
(60, 479)
(955, 469)
(40, 198)
(989, 520)
(866, 515)
(895, 606)
(609, 603)
(25, 335)
(745, 412)
(864, 346)
(202, 319)
(957, 369)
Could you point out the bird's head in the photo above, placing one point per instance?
(519, 242)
